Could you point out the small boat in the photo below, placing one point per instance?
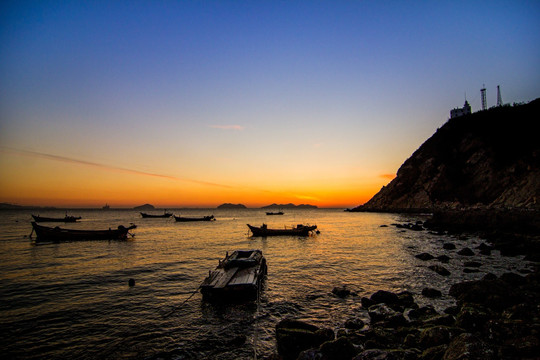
(275, 213)
(66, 218)
(237, 277)
(55, 234)
(299, 230)
(106, 207)
(186, 219)
(150, 216)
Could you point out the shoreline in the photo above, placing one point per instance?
(494, 317)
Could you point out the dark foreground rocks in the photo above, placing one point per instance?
(495, 318)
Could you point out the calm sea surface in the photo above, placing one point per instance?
(72, 300)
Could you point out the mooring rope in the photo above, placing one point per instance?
(174, 309)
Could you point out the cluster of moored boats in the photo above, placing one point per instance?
(237, 276)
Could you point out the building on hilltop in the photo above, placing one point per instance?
(466, 109)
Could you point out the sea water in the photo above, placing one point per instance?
(73, 300)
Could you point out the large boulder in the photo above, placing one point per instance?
(294, 336)
(468, 347)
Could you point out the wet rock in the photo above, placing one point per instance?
(472, 264)
(441, 270)
(490, 276)
(354, 323)
(341, 291)
(424, 256)
(449, 246)
(468, 347)
(423, 313)
(379, 354)
(383, 313)
(469, 271)
(366, 302)
(339, 349)
(435, 336)
(431, 293)
(294, 336)
(465, 252)
(443, 258)
(446, 320)
(406, 300)
(472, 317)
(131, 282)
(434, 353)
(386, 297)
(513, 279)
(310, 354)
(494, 294)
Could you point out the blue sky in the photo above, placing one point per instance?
(320, 92)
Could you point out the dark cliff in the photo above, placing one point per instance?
(485, 160)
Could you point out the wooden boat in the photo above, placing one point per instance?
(275, 213)
(237, 277)
(299, 230)
(186, 219)
(164, 215)
(56, 234)
(66, 218)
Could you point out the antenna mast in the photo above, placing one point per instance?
(499, 97)
(483, 93)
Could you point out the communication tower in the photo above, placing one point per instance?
(483, 93)
(499, 97)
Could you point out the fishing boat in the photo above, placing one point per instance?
(274, 213)
(299, 230)
(66, 218)
(150, 216)
(56, 234)
(186, 219)
(237, 277)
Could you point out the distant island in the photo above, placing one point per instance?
(7, 206)
(144, 207)
(289, 206)
(231, 206)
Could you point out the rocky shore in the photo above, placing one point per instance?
(494, 317)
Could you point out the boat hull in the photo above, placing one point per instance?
(298, 231)
(236, 280)
(150, 216)
(188, 219)
(65, 219)
(57, 234)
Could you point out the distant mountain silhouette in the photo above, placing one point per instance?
(144, 207)
(231, 206)
(486, 160)
(289, 206)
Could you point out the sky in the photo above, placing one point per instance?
(199, 103)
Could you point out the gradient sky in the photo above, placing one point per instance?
(197, 103)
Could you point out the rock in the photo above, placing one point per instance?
(494, 294)
(441, 270)
(513, 279)
(383, 296)
(468, 271)
(434, 336)
(131, 282)
(434, 353)
(468, 347)
(424, 256)
(446, 320)
(354, 323)
(472, 264)
(294, 336)
(310, 354)
(490, 276)
(443, 258)
(383, 313)
(339, 349)
(423, 313)
(379, 354)
(406, 300)
(466, 252)
(472, 317)
(341, 291)
(366, 302)
(431, 293)
(449, 246)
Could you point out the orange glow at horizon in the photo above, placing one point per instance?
(46, 182)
